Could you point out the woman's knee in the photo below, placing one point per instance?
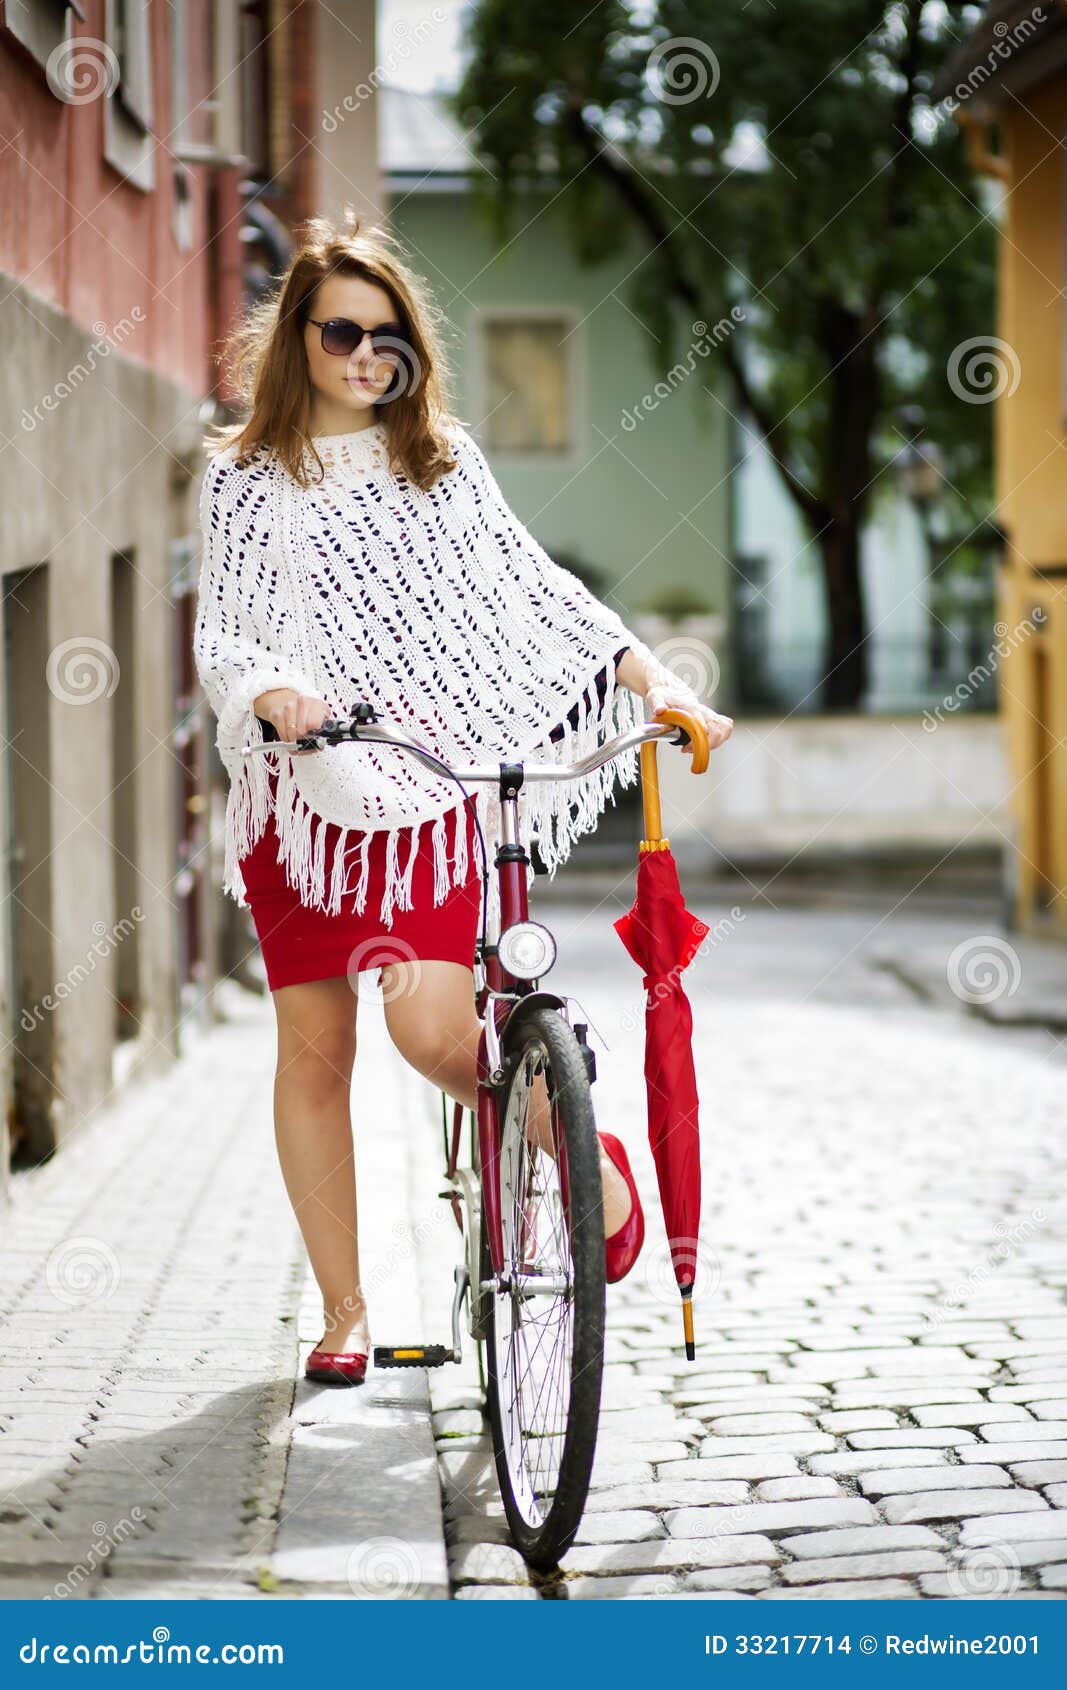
(319, 1066)
(436, 1048)
(316, 1039)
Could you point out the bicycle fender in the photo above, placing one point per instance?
(532, 1000)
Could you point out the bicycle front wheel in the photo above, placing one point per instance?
(545, 1343)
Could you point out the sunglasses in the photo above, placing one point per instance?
(341, 336)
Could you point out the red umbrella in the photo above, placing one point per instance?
(662, 937)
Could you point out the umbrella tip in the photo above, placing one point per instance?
(687, 1322)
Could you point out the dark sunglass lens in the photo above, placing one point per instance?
(341, 336)
(388, 337)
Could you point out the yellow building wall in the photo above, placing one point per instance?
(1031, 441)
(1031, 490)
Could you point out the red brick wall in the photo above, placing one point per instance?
(73, 230)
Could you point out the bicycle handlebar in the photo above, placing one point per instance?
(355, 729)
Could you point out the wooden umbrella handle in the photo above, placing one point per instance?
(698, 733)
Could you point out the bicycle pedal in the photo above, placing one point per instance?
(411, 1355)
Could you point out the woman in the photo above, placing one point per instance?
(357, 547)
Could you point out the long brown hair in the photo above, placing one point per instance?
(268, 363)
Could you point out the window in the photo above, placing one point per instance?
(528, 383)
(41, 26)
(128, 114)
(179, 77)
(205, 130)
(183, 223)
(130, 40)
(254, 69)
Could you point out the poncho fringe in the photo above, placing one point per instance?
(236, 664)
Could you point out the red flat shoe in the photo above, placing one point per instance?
(336, 1367)
(622, 1249)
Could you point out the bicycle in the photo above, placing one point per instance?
(529, 1211)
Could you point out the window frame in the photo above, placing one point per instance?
(44, 26)
(134, 93)
(129, 110)
(483, 320)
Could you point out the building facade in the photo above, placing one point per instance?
(1007, 86)
(154, 158)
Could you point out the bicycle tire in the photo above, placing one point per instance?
(543, 1535)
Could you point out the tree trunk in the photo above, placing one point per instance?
(849, 341)
(845, 662)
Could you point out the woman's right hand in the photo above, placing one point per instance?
(291, 713)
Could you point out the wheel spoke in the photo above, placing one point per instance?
(533, 1332)
(539, 1340)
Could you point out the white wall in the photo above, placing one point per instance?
(824, 784)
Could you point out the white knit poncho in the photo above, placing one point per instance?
(439, 609)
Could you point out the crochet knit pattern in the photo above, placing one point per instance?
(437, 607)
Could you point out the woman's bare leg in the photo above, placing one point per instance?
(313, 1131)
(429, 1011)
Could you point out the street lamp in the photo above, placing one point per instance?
(918, 465)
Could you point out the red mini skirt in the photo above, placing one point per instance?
(300, 944)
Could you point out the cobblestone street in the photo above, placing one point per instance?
(879, 1401)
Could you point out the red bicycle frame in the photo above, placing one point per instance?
(510, 865)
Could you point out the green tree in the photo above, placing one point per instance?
(786, 160)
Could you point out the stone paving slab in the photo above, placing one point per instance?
(956, 1505)
(895, 1563)
(859, 1540)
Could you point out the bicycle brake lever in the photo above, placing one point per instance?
(336, 729)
